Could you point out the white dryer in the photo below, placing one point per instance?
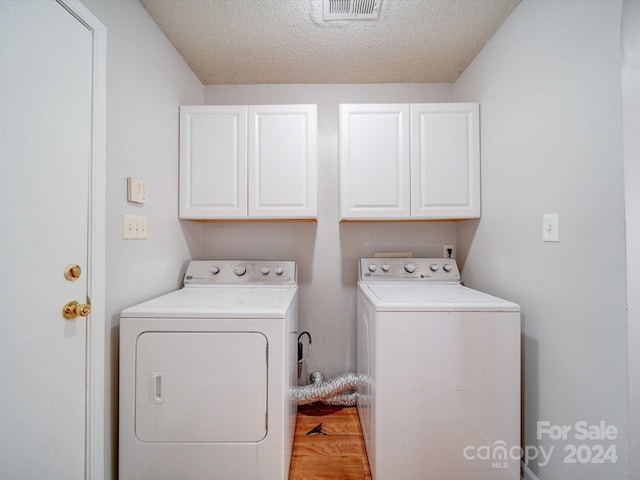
(205, 375)
(441, 369)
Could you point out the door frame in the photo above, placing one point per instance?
(96, 324)
(630, 44)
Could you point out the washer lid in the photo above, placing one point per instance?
(426, 298)
(218, 302)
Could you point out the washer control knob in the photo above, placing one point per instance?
(279, 270)
(373, 267)
(447, 267)
(385, 267)
(240, 270)
(265, 270)
(434, 267)
(409, 267)
(215, 269)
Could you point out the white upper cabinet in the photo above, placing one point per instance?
(374, 162)
(248, 162)
(404, 162)
(213, 162)
(282, 161)
(445, 160)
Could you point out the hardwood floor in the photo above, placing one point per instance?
(333, 451)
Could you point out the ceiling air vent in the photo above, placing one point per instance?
(351, 9)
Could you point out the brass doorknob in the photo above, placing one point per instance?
(74, 309)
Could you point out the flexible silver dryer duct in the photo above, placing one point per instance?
(339, 391)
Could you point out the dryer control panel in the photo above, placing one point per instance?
(240, 272)
(434, 270)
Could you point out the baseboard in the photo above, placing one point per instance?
(527, 474)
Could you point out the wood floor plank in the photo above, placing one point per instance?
(329, 445)
(329, 467)
(338, 453)
(338, 423)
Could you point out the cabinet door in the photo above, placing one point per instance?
(445, 160)
(282, 161)
(213, 162)
(374, 162)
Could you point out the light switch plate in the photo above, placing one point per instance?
(135, 227)
(551, 227)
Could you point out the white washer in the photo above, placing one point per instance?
(205, 375)
(441, 367)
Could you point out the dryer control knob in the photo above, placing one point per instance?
(373, 267)
(279, 270)
(434, 267)
(446, 267)
(385, 267)
(409, 267)
(215, 269)
(240, 270)
(265, 270)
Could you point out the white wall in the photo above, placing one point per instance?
(146, 82)
(326, 252)
(549, 87)
(631, 127)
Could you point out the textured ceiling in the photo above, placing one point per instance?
(287, 41)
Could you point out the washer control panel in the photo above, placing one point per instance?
(436, 270)
(240, 272)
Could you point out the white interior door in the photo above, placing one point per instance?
(46, 148)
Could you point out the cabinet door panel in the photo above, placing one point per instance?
(374, 161)
(445, 161)
(282, 161)
(213, 162)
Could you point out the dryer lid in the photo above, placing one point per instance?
(218, 302)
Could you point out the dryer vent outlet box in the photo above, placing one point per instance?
(350, 9)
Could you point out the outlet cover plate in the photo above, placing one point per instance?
(446, 249)
(551, 227)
